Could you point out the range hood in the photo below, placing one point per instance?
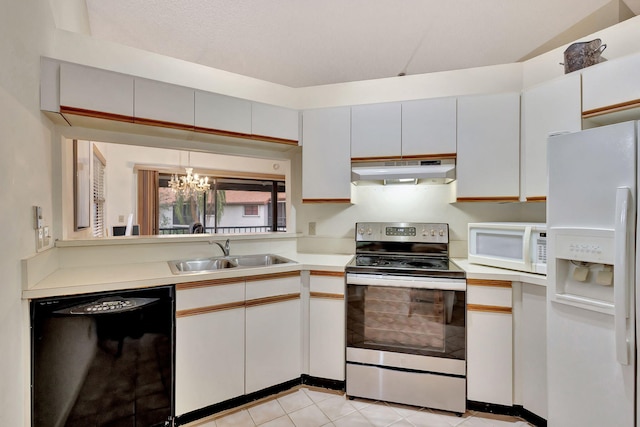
(409, 171)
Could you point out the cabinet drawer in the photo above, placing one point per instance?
(209, 296)
(328, 283)
(490, 293)
(270, 285)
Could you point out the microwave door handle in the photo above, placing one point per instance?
(526, 242)
(622, 274)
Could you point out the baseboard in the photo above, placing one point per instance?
(514, 411)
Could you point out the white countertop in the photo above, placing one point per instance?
(76, 280)
(68, 281)
(475, 271)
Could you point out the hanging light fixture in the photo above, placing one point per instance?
(190, 183)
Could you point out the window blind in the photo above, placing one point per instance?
(98, 195)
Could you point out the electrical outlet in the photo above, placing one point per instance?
(312, 229)
(120, 218)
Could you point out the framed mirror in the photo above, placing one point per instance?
(82, 184)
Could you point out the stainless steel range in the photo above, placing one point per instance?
(406, 317)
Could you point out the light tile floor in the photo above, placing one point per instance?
(313, 407)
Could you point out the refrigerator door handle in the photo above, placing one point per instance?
(621, 276)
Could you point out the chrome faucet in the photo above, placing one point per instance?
(225, 249)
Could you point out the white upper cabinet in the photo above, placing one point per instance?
(550, 107)
(610, 89)
(429, 127)
(163, 104)
(87, 91)
(488, 156)
(222, 113)
(270, 121)
(326, 162)
(376, 131)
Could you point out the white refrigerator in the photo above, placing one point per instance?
(591, 305)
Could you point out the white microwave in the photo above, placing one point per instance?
(513, 245)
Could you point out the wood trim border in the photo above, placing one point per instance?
(537, 199)
(326, 295)
(486, 282)
(95, 114)
(489, 308)
(221, 132)
(284, 141)
(326, 201)
(430, 156)
(272, 300)
(628, 105)
(375, 159)
(327, 273)
(208, 283)
(489, 199)
(162, 124)
(209, 309)
(270, 276)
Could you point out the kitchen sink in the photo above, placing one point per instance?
(200, 265)
(208, 265)
(260, 260)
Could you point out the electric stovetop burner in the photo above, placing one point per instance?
(424, 263)
(403, 248)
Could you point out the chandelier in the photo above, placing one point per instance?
(189, 184)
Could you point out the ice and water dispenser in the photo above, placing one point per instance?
(584, 268)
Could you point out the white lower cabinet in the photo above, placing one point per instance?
(327, 325)
(273, 331)
(489, 342)
(533, 333)
(210, 344)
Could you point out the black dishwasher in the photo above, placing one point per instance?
(103, 359)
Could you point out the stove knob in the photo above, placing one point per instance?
(441, 233)
(369, 231)
(360, 230)
(433, 233)
(424, 232)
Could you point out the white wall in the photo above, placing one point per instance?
(415, 203)
(26, 30)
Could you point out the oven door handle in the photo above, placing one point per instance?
(403, 282)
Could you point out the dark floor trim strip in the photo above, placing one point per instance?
(514, 411)
(323, 383)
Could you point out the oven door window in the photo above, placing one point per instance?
(406, 320)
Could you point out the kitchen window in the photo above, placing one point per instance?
(231, 205)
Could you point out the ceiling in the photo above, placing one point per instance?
(301, 43)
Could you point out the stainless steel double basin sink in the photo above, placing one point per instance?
(207, 265)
